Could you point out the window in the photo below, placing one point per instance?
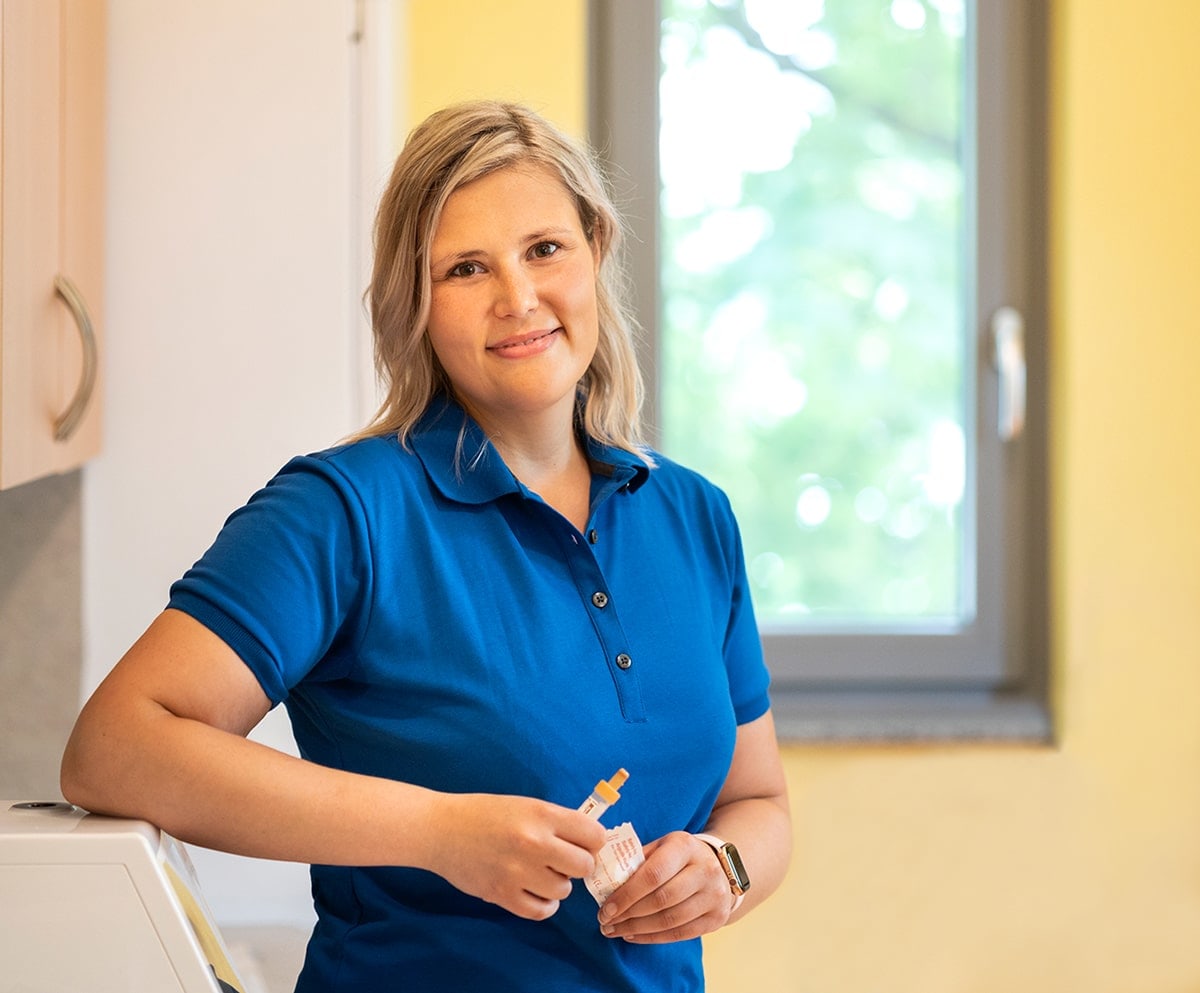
(836, 255)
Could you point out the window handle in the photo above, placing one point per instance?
(1008, 356)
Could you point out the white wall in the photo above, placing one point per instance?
(236, 206)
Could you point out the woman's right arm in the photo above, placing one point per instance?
(163, 738)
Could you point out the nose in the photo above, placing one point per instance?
(516, 293)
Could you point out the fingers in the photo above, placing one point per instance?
(576, 843)
(550, 864)
(579, 830)
(680, 892)
(516, 852)
(535, 906)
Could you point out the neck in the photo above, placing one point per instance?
(544, 462)
(546, 454)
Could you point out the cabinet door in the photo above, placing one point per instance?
(51, 233)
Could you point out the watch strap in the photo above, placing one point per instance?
(716, 844)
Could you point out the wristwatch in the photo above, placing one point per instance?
(731, 862)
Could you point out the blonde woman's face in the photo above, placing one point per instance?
(513, 317)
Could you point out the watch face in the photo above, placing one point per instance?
(739, 878)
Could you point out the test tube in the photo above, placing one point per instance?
(604, 795)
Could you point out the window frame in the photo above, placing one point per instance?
(987, 679)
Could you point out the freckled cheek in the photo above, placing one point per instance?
(590, 314)
(453, 325)
(580, 297)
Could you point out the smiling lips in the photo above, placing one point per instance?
(519, 346)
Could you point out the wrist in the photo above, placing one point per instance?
(731, 864)
(420, 830)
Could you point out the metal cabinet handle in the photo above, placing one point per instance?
(1008, 356)
(66, 422)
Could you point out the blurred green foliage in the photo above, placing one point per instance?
(814, 279)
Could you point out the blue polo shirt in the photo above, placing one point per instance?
(427, 618)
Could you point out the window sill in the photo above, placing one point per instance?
(815, 716)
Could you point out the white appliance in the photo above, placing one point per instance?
(101, 904)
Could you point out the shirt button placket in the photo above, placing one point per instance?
(589, 576)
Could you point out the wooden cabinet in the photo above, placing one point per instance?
(52, 193)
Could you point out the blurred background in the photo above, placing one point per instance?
(246, 143)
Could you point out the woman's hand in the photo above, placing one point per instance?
(679, 892)
(516, 852)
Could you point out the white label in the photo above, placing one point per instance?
(620, 856)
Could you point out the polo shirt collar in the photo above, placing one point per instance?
(464, 465)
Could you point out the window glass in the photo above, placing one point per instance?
(816, 349)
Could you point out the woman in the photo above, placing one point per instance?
(489, 600)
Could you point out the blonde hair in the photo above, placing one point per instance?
(449, 149)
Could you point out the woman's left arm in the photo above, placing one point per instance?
(681, 891)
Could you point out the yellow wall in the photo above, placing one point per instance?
(530, 51)
(983, 869)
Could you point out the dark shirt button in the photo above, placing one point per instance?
(600, 599)
(593, 537)
(624, 661)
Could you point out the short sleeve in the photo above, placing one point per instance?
(288, 577)
(749, 679)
